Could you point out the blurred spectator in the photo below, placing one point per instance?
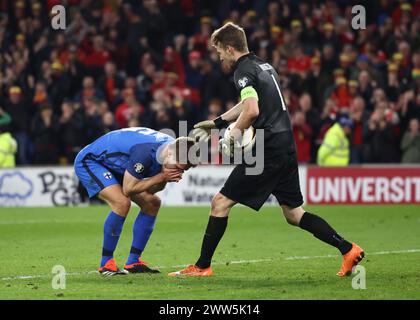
(93, 115)
(78, 29)
(5, 119)
(8, 145)
(72, 136)
(128, 109)
(359, 116)
(20, 112)
(327, 119)
(45, 131)
(341, 94)
(335, 149)
(366, 88)
(312, 121)
(410, 144)
(40, 95)
(410, 107)
(194, 77)
(316, 82)
(164, 119)
(299, 63)
(379, 136)
(95, 55)
(302, 133)
(58, 85)
(215, 109)
(108, 123)
(173, 63)
(8, 148)
(111, 83)
(155, 24)
(89, 90)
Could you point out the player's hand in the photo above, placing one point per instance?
(172, 174)
(206, 125)
(228, 146)
(202, 130)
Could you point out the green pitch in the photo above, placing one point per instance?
(260, 257)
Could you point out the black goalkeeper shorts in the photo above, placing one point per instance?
(280, 177)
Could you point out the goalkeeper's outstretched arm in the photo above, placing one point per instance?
(202, 130)
(233, 114)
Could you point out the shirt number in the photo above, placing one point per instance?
(283, 105)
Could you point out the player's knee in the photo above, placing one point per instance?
(220, 205)
(291, 220)
(152, 205)
(121, 206)
(292, 216)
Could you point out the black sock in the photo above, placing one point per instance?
(324, 232)
(215, 229)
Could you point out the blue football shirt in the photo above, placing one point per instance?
(131, 149)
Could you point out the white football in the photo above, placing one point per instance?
(248, 139)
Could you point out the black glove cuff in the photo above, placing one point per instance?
(220, 123)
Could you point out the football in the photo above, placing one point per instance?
(248, 139)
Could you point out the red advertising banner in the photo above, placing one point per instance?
(363, 185)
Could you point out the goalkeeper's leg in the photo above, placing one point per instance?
(352, 253)
(216, 227)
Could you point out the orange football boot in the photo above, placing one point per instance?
(351, 259)
(192, 271)
(140, 267)
(110, 269)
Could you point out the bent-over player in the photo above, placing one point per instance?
(115, 168)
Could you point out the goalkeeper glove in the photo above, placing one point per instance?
(228, 146)
(203, 129)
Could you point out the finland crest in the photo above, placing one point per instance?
(138, 167)
(243, 82)
(107, 175)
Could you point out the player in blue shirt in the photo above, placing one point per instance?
(114, 167)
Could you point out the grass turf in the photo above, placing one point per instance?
(33, 240)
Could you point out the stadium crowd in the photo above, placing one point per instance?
(124, 63)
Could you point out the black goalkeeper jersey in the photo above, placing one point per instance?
(273, 116)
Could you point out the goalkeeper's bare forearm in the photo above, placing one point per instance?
(233, 113)
(202, 130)
(247, 116)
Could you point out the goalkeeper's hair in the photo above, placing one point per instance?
(186, 150)
(232, 35)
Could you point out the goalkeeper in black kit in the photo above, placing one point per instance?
(262, 106)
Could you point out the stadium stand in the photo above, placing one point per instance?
(148, 63)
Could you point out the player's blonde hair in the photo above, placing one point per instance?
(182, 147)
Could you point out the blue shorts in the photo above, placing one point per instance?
(94, 176)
